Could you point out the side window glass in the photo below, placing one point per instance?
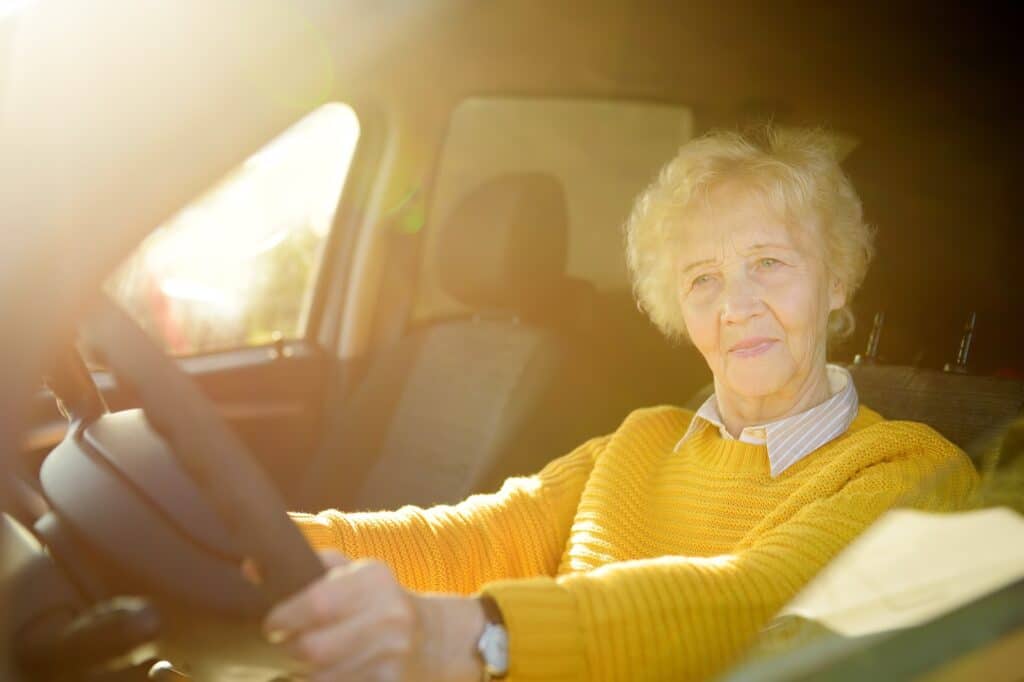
(238, 266)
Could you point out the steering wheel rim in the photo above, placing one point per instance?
(204, 446)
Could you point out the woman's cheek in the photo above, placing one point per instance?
(702, 328)
(799, 311)
(793, 299)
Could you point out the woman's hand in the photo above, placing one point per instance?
(358, 623)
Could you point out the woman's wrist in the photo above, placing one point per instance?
(451, 627)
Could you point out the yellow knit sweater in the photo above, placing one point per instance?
(625, 560)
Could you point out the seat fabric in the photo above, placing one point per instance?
(971, 411)
(474, 386)
(458, 404)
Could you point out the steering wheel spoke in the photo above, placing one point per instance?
(213, 456)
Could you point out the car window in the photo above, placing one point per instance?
(237, 266)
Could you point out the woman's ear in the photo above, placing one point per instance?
(836, 293)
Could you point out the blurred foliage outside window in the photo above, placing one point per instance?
(238, 266)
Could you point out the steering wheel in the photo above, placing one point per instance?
(166, 502)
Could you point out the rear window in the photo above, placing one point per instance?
(603, 152)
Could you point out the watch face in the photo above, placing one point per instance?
(494, 649)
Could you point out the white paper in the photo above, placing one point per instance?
(912, 566)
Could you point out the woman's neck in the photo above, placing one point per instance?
(739, 412)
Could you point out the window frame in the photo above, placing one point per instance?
(331, 272)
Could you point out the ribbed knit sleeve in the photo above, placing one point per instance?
(519, 531)
(687, 618)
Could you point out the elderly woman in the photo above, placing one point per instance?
(658, 551)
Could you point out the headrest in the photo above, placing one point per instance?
(506, 242)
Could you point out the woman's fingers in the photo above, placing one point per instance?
(321, 603)
(357, 650)
(357, 640)
(332, 557)
(369, 669)
(357, 622)
(327, 645)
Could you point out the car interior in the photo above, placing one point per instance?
(298, 256)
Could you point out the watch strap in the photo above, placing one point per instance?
(492, 612)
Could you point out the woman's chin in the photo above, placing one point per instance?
(752, 385)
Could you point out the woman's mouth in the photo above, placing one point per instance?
(752, 347)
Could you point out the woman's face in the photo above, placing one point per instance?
(755, 294)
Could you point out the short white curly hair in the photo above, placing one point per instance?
(797, 171)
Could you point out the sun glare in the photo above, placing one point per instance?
(258, 232)
(11, 7)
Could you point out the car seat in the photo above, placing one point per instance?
(458, 404)
(971, 411)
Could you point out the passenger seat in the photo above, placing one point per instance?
(459, 404)
(972, 411)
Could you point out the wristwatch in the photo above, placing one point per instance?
(493, 643)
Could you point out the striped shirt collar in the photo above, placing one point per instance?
(792, 438)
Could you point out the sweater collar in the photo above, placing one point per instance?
(792, 438)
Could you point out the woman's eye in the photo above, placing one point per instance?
(769, 262)
(701, 280)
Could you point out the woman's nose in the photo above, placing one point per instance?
(741, 301)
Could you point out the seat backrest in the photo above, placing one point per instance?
(458, 404)
(971, 411)
(473, 386)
